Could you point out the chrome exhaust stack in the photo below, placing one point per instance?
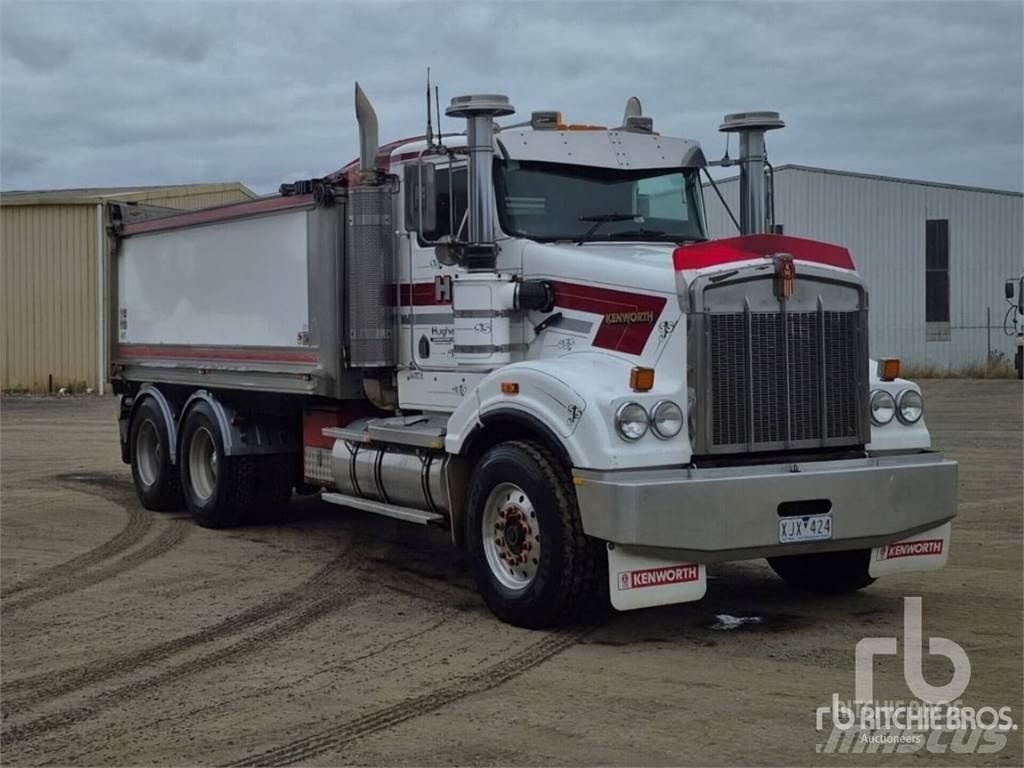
(751, 127)
(368, 132)
(480, 110)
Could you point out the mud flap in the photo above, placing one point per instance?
(639, 581)
(925, 551)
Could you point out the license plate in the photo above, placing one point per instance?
(809, 528)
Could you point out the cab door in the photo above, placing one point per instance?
(426, 321)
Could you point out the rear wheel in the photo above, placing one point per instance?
(223, 491)
(825, 572)
(533, 564)
(1018, 362)
(155, 477)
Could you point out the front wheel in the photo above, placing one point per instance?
(533, 564)
(825, 572)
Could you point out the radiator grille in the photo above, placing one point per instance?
(785, 379)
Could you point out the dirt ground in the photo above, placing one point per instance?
(134, 638)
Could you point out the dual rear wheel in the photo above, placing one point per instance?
(220, 491)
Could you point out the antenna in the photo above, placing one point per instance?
(437, 106)
(430, 127)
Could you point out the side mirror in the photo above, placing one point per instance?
(420, 206)
(1009, 290)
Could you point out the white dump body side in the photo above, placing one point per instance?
(233, 283)
(245, 296)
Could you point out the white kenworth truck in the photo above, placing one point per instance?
(521, 334)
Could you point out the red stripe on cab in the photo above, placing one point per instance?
(630, 337)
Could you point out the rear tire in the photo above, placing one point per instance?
(827, 573)
(156, 479)
(221, 491)
(533, 564)
(1018, 362)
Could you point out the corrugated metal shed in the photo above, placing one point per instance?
(882, 220)
(53, 269)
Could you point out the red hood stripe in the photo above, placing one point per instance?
(713, 252)
(630, 338)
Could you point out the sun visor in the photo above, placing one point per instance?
(601, 149)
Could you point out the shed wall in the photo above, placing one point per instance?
(49, 283)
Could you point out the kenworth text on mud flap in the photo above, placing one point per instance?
(521, 334)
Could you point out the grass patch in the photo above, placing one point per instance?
(998, 367)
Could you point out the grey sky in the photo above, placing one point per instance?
(260, 92)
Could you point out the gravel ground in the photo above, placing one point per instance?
(132, 638)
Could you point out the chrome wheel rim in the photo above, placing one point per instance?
(511, 536)
(148, 453)
(202, 464)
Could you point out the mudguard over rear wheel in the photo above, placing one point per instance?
(533, 564)
(825, 572)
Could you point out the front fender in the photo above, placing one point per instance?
(897, 436)
(575, 398)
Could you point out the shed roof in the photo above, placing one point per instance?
(878, 177)
(93, 195)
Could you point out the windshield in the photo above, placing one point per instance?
(554, 201)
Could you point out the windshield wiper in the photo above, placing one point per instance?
(602, 218)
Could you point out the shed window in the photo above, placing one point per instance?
(936, 287)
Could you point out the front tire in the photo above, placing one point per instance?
(533, 564)
(827, 573)
(154, 475)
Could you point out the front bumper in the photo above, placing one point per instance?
(710, 515)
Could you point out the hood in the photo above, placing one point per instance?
(639, 266)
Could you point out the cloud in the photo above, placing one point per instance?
(179, 93)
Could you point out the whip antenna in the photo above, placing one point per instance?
(430, 127)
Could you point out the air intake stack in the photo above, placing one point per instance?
(751, 127)
(480, 111)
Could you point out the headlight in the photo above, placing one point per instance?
(631, 421)
(666, 419)
(883, 407)
(909, 406)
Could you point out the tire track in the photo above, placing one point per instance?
(332, 739)
(339, 596)
(52, 685)
(135, 529)
(172, 535)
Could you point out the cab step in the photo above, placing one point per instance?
(408, 514)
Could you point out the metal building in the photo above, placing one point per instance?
(935, 256)
(53, 271)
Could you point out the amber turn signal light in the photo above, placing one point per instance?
(641, 379)
(509, 388)
(888, 368)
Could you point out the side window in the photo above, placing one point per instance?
(451, 200)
